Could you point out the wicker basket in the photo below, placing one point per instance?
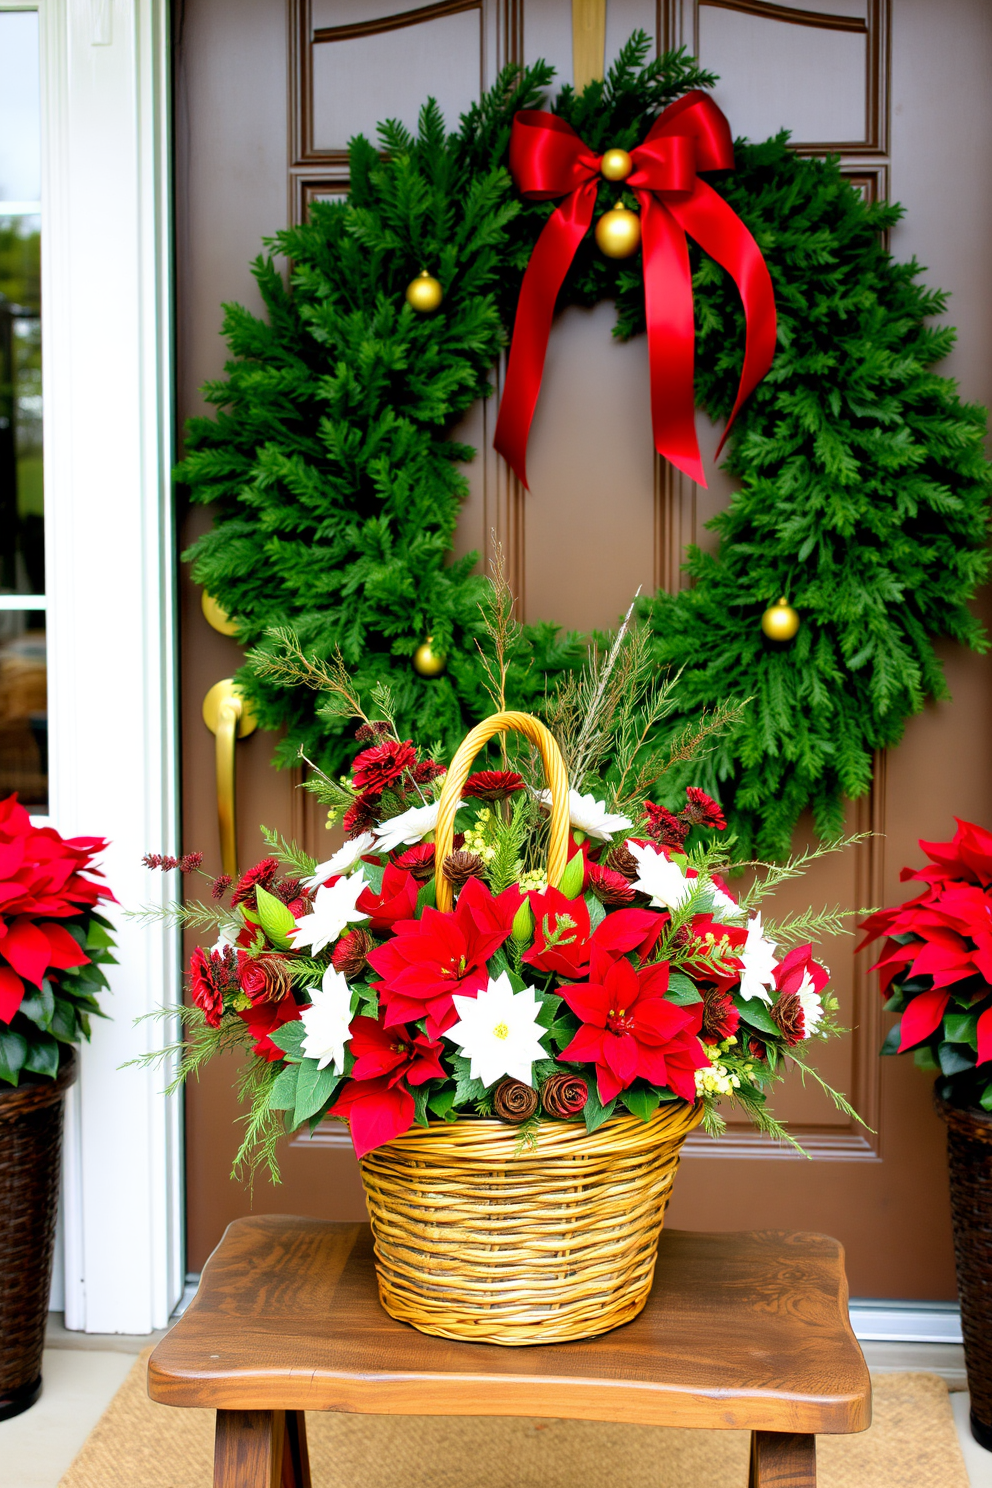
(481, 1235)
(30, 1164)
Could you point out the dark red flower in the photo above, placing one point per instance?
(429, 959)
(367, 733)
(424, 771)
(721, 1019)
(787, 1013)
(220, 885)
(610, 888)
(264, 978)
(397, 900)
(211, 974)
(630, 1030)
(665, 827)
(189, 862)
(362, 814)
(418, 860)
(350, 954)
(702, 811)
(382, 765)
(263, 873)
(263, 1018)
(492, 785)
(376, 1101)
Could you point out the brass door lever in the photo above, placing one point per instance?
(229, 718)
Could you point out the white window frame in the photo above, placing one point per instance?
(107, 387)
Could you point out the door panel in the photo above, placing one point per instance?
(268, 93)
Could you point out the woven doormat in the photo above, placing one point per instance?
(911, 1444)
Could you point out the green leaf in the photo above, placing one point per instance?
(953, 1060)
(925, 1059)
(39, 1005)
(467, 1090)
(13, 1052)
(985, 1099)
(43, 1057)
(420, 1098)
(97, 937)
(276, 918)
(961, 1028)
(597, 914)
(682, 990)
(441, 1101)
(642, 1102)
(314, 1088)
(594, 1111)
(550, 1003)
(892, 1038)
(756, 1013)
(289, 1038)
(427, 897)
(282, 1097)
(374, 873)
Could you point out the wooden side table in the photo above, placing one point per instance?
(742, 1331)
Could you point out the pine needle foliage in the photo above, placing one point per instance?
(336, 487)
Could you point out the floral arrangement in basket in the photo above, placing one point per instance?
(935, 969)
(53, 943)
(539, 941)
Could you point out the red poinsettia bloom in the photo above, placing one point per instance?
(563, 943)
(263, 1018)
(793, 968)
(43, 878)
(397, 900)
(382, 765)
(376, 1101)
(629, 1029)
(427, 960)
(492, 785)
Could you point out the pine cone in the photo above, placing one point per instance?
(622, 861)
(349, 956)
(610, 887)
(459, 867)
(514, 1102)
(564, 1095)
(788, 1014)
(264, 978)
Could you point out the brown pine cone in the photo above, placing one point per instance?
(459, 867)
(350, 952)
(788, 1014)
(514, 1102)
(265, 978)
(564, 1095)
(622, 861)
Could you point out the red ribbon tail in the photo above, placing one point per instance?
(671, 337)
(720, 232)
(549, 263)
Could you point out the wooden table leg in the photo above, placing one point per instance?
(261, 1449)
(782, 1459)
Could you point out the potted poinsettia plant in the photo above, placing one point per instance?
(53, 944)
(544, 971)
(935, 972)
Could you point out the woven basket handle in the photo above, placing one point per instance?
(458, 772)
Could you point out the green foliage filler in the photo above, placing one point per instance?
(864, 489)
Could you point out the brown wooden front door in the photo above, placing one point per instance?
(267, 94)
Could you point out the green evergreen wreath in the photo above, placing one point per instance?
(863, 483)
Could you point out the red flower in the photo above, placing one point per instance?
(383, 764)
(562, 942)
(609, 887)
(264, 1018)
(210, 976)
(362, 814)
(264, 978)
(418, 860)
(376, 1101)
(791, 970)
(702, 811)
(424, 771)
(721, 1019)
(263, 873)
(492, 785)
(630, 1030)
(664, 826)
(429, 959)
(397, 900)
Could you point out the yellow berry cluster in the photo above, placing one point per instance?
(533, 881)
(718, 1079)
(334, 813)
(475, 837)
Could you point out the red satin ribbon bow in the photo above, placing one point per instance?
(547, 160)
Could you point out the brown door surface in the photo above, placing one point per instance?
(267, 94)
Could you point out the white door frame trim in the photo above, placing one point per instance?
(107, 370)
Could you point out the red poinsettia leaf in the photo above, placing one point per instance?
(921, 1017)
(376, 1112)
(588, 1001)
(620, 1051)
(64, 949)
(27, 950)
(11, 993)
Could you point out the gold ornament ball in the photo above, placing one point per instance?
(616, 165)
(618, 232)
(427, 661)
(780, 621)
(424, 293)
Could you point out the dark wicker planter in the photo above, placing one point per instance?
(30, 1164)
(969, 1156)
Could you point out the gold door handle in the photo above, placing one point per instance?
(229, 718)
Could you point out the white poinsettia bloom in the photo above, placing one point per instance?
(408, 828)
(586, 814)
(498, 1032)
(660, 877)
(758, 962)
(333, 910)
(342, 861)
(327, 1021)
(811, 1003)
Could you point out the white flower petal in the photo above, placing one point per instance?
(811, 1002)
(408, 828)
(342, 861)
(498, 1032)
(660, 877)
(327, 1021)
(758, 962)
(588, 815)
(333, 910)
